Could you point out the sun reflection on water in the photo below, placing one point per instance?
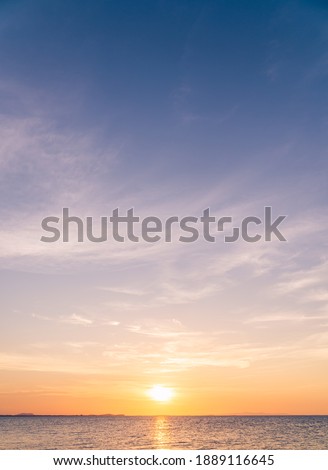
(162, 432)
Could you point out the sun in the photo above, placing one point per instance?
(160, 393)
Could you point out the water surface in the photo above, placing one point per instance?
(176, 432)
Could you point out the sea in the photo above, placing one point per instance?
(163, 432)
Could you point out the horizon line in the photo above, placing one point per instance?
(122, 415)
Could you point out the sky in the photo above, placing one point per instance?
(167, 107)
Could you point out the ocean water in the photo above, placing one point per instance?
(176, 432)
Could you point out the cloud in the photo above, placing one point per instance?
(286, 317)
(307, 285)
(112, 323)
(76, 320)
(124, 291)
(159, 328)
(72, 319)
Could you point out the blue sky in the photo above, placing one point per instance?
(168, 107)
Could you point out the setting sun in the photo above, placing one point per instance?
(160, 393)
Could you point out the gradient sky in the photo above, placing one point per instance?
(169, 107)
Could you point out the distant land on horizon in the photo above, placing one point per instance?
(33, 414)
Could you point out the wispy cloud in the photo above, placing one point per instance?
(75, 319)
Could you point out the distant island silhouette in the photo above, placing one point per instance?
(36, 415)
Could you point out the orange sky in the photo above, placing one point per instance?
(200, 392)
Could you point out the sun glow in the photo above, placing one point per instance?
(160, 393)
